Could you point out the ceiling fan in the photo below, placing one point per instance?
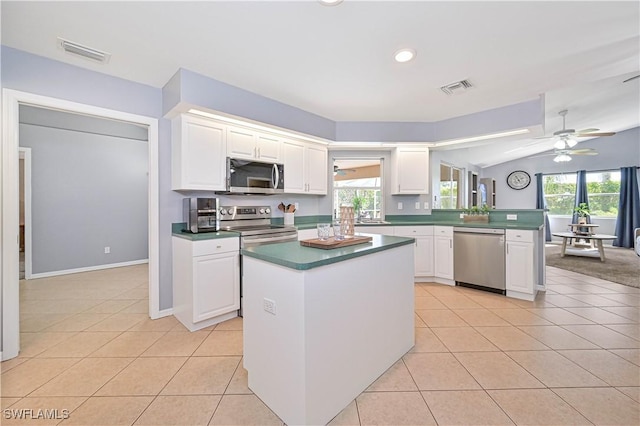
(564, 155)
(341, 172)
(566, 137)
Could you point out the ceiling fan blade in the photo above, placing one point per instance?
(588, 135)
(545, 137)
(581, 150)
(587, 130)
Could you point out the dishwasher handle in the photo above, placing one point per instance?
(461, 229)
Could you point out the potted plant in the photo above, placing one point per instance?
(476, 214)
(357, 203)
(582, 211)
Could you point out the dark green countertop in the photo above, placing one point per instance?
(527, 220)
(499, 225)
(293, 255)
(177, 230)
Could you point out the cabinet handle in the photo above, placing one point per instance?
(398, 187)
(450, 244)
(258, 152)
(507, 248)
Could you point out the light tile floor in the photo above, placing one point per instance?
(570, 357)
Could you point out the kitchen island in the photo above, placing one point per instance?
(321, 325)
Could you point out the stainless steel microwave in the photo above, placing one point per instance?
(254, 177)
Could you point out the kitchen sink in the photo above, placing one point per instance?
(373, 221)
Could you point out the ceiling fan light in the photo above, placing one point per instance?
(559, 144)
(571, 142)
(562, 158)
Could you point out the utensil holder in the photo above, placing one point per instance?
(288, 219)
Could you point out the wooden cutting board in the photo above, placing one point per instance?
(332, 243)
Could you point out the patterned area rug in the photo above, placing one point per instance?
(620, 266)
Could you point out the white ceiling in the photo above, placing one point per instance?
(337, 61)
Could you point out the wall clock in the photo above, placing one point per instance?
(518, 179)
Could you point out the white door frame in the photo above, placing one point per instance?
(11, 99)
(25, 154)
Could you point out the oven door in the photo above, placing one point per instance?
(259, 240)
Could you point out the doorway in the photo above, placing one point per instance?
(11, 101)
(25, 213)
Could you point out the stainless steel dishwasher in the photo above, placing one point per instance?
(479, 258)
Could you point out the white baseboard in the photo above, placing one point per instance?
(88, 269)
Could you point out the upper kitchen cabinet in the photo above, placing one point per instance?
(198, 149)
(410, 170)
(251, 145)
(305, 168)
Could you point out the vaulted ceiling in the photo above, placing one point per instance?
(337, 61)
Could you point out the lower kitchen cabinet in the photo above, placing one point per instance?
(206, 281)
(423, 249)
(521, 271)
(443, 254)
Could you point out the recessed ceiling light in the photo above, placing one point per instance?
(330, 2)
(404, 55)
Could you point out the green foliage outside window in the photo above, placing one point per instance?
(603, 189)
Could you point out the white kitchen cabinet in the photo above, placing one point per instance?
(206, 281)
(521, 264)
(251, 145)
(305, 168)
(198, 150)
(410, 170)
(443, 253)
(423, 250)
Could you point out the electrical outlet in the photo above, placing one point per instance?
(107, 250)
(461, 215)
(417, 205)
(426, 205)
(269, 305)
(400, 206)
(512, 217)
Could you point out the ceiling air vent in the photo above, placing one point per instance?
(457, 87)
(84, 51)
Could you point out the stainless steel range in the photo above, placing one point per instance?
(253, 223)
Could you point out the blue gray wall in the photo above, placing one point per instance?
(34, 74)
(89, 190)
(620, 150)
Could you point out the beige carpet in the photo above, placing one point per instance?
(621, 265)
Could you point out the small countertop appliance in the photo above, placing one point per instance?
(201, 214)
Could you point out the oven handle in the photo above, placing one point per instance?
(249, 240)
(275, 172)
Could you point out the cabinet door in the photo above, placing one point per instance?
(411, 171)
(241, 143)
(316, 169)
(216, 285)
(293, 159)
(443, 256)
(268, 148)
(519, 267)
(424, 257)
(199, 154)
